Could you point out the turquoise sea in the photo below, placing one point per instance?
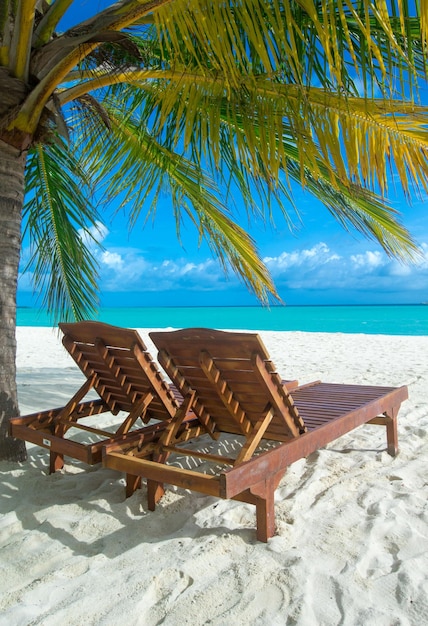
(370, 319)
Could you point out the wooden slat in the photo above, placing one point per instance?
(133, 442)
(285, 454)
(152, 373)
(280, 399)
(39, 419)
(182, 385)
(169, 436)
(138, 409)
(90, 429)
(216, 458)
(225, 394)
(120, 380)
(255, 437)
(179, 355)
(119, 368)
(186, 479)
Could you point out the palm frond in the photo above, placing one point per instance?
(292, 40)
(363, 210)
(49, 16)
(61, 224)
(192, 97)
(360, 138)
(146, 171)
(216, 121)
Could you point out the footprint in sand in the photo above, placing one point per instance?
(161, 593)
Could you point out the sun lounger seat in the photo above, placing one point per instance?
(118, 367)
(229, 382)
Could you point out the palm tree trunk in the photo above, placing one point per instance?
(12, 164)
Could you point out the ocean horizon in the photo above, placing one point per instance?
(387, 319)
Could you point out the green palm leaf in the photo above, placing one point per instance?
(217, 121)
(146, 171)
(204, 101)
(61, 222)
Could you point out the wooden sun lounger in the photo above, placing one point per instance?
(119, 368)
(231, 385)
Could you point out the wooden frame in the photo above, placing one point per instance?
(118, 367)
(231, 386)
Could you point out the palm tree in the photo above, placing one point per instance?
(204, 100)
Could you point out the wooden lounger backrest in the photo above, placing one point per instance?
(234, 380)
(123, 370)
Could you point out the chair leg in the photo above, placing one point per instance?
(56, 462)
(155, 492)
(265, 509)
(132, 484)
(265, 515)
(392, 433)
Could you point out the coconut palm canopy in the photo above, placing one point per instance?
(180, 104)
(203, 101)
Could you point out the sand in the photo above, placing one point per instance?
(352, 523)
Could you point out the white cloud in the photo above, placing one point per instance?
(423, 262)
(315, 256)
(98, 232)
(315, 268)
(112, 260)
(122, 269)
(310, 269)
(320, 268)
(399, 269)
(369, 260)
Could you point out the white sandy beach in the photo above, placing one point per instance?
(351, 546)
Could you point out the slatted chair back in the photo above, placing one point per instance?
(236, 384)
(120, 369)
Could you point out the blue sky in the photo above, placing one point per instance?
(319, 263)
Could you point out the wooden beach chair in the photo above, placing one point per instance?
(233, 387)
(118, 367)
